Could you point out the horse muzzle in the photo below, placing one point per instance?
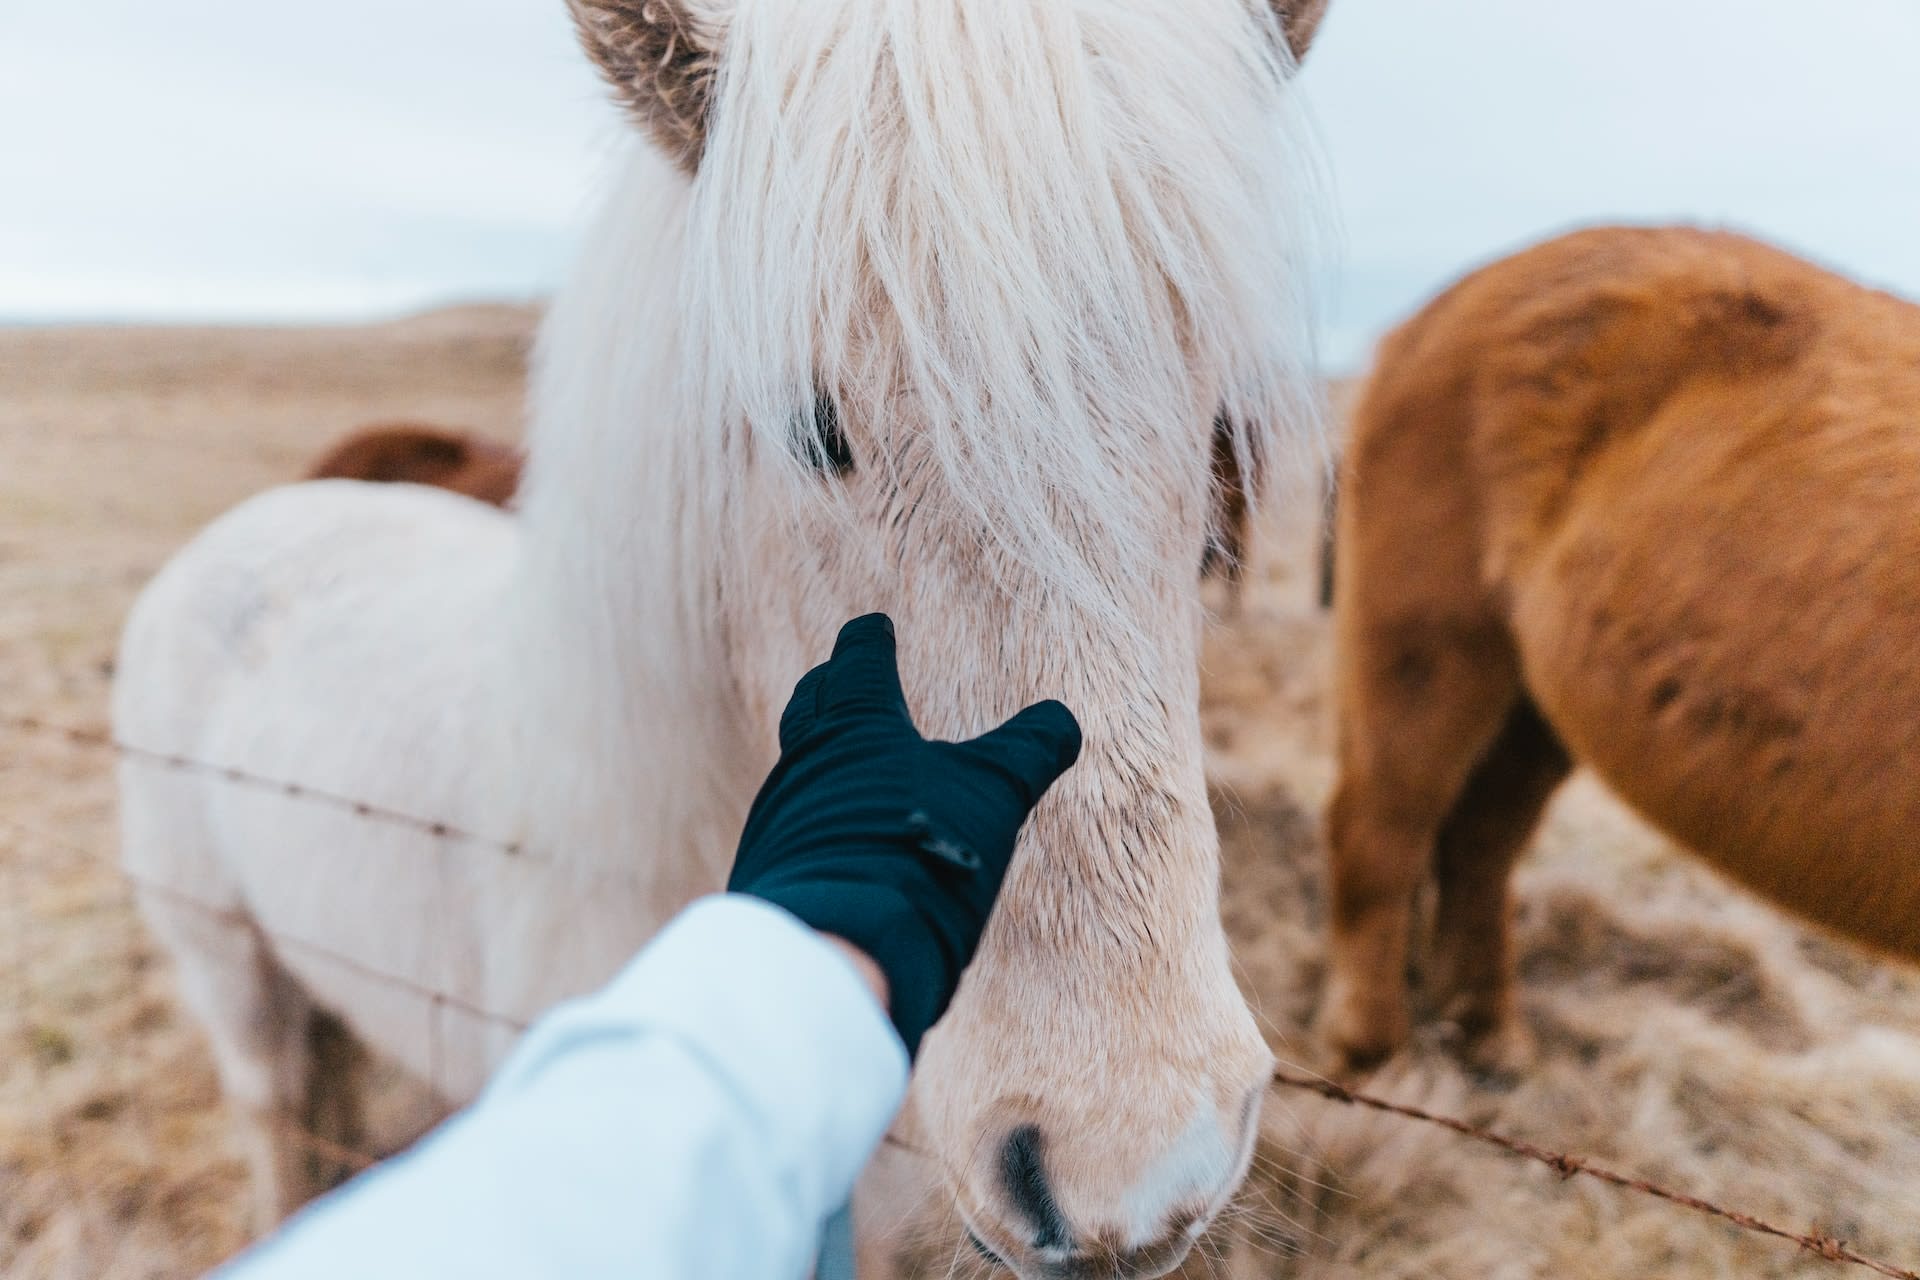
(1043, 1218)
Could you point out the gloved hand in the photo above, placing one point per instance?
(868, 831)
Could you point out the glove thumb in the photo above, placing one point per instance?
(803, 708)
(1036, 746)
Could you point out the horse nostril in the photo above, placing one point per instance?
(1023, 1176)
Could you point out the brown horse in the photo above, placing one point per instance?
(415, 453)
(1649, 501)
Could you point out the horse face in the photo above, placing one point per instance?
(1092, 1094)
(967, 287)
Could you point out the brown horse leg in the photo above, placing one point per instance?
(1419, 709)
(1474, 858)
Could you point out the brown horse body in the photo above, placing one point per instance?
(1644, 500)
(414, 453)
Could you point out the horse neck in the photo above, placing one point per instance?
(622, 702)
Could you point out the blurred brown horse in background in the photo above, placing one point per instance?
(1647, 500)
(416, 453)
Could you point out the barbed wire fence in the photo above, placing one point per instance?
(436, 1002)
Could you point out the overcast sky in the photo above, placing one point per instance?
(249, 159)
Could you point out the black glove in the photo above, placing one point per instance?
(868, 831)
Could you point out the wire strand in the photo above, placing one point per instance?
(1566, 1165)
(1571, 1166)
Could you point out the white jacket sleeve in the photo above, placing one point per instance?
(700, 1116)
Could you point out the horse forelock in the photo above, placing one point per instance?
(1012, 240)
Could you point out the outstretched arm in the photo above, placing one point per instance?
(706, 1111)
(701, 1115)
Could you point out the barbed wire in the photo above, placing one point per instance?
(232, 775)
(438, 829)
(434, 998)
(1566, 1165)
(350, 1158)
(1571, 1166)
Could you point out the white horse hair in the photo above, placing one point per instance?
(1027, 253)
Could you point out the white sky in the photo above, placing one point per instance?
(260, 160)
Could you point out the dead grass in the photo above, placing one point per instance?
(1687, 1033)
(115, 445)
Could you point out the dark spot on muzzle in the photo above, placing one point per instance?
(1023, 1175)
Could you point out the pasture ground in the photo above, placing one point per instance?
(1686, 1033)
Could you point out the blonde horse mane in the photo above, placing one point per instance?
(889, 209)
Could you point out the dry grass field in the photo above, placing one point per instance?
(1687, 1034)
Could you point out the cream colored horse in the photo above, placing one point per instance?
(919, 307)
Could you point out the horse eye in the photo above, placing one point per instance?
(817, 436)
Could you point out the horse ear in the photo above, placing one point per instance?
(661, 61)
(1299, 19)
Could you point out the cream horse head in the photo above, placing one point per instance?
(959, 291)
